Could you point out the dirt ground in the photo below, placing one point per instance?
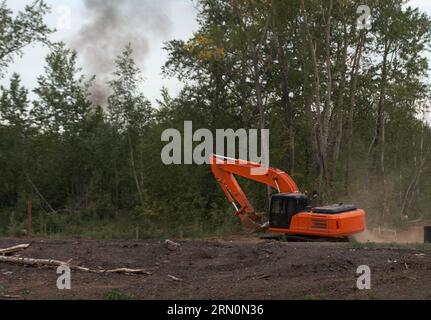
(241, 268)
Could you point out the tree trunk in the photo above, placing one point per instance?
(340, 106)
(287, 102)
(135, 176)
(259, 102)
(379, 140)
(353, 86)
(420, 166)
(327, 112)
(256, 56)
(322, 116)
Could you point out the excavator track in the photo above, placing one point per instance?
(300, 238)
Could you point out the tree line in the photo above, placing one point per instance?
(345, 107)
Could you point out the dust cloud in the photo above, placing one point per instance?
(410, 236)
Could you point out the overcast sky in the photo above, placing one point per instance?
(180, 18)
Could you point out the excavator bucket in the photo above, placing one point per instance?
(252, 225)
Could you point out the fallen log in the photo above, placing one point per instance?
(56, 263)
(14, 249)
(10, 297)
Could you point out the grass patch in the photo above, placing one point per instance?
(372, 296)
(309, 297)
(70, 296)
(373, 245)
(363, 246)
(116, 294)
(422, 246)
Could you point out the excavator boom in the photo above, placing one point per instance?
(225, 169)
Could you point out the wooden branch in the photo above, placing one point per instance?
(175, 278)
(128, 271)
(10, 297)
(56, 263)
(14, 249)
(40, 194)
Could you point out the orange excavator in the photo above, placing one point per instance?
(289, 213)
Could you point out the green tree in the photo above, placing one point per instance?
(62, 94)
(17, 32)
(129, 111)
(14, 104)
(15, 130)
(60, 113)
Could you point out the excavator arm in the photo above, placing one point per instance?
(225, 169)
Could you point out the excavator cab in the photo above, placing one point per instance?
(284, 207)
(291, 214)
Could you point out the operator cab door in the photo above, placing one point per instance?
(284, 207)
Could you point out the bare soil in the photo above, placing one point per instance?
(240, 268)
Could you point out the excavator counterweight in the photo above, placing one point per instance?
(289, 213)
